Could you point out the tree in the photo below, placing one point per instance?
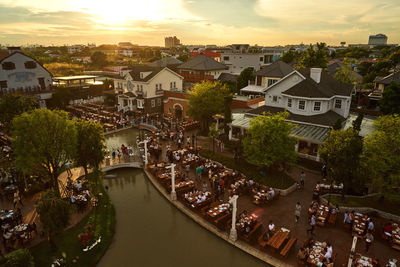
(268, 142)
(12, 105)
(64, 69)
(19, 258)
(206, 100)
(390, 102)
(44, 141)
(338, 124)
(60, 98)
(212, 133)
(90, 149)
(227, 114)
(345, 73)
(341, 152)
(183, 57)
(314, 57)
(357, 122)
(54, 213)
(382, 155)
(288, 57)
(99, 59)
(244, 77)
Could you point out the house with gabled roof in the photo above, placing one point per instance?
(142, 88)
(22, 74)
(315, 102)
(201, 68)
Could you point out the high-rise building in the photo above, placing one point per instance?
(378, 39)
(171, 42)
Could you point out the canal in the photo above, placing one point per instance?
(152, 232)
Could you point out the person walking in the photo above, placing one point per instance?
(17, 198)
(297, 211)
(312, 224)
(368, 240)
(323, 171)
(302, 178)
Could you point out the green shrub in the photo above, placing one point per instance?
(19, 258)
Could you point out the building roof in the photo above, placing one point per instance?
(227, 77)
(165, 62)
(253, 89)
(333, 68)
(326, 88)
(388, 79)
(19, 52)
(313, 133)
(206, 52)
(204, 63)
(327, 119)
(278, 69)
(136, 70)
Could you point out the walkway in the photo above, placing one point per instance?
(281, 212)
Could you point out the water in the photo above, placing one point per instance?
(126, 137)
(152, 232)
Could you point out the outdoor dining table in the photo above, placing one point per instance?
(316, 254)
(20, 229)
(277, 240)
(359, 224)
(322, 213)
(217, 211)
(6, 215)
(362, 261)
(396, 234)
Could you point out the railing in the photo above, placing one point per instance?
(190, 77)
(310, 157)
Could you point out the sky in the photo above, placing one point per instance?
(220, 22)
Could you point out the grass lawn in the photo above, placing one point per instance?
(375, 202)
(309, 164)
(103, 220)
(274, 178)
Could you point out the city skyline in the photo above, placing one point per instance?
(262, 22)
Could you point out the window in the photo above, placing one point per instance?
(174, 84)
(169, 110)
(261, 59)
(30, 65)
(317, 106)
(141, 87)
(289, 102)
(274, 98)
(338, 103)
(159, 102)
(271, 82)
(140, 103)
(170, 85)
(226, 58)
(160, 86)
(302, 104)
(153, 103)
(156, 86)
(8, 65)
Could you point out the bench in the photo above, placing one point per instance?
(396, 247)
(221, 221)
(286, 249)
(249, 237)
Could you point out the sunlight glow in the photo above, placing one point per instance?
(121, 11)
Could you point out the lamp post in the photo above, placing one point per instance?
(145, 151)
(233, 233)
(173, 193)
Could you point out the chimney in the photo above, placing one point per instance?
(315, 74)
(12, 49)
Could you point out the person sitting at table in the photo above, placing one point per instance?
(73, 199)
(347, 219)
(271, 228)
(79, 186)
(388, 231)
(371, 225)
(302, 255)
(271, 193)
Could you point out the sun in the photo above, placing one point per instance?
(121, 11)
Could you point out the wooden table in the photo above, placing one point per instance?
(277, 240)
(359, 224)
(215, 212)
(316, 253)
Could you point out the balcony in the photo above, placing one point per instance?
(159, 92)
(194, 77)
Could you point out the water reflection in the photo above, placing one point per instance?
(152, 232)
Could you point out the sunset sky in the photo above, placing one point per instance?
(147, 22)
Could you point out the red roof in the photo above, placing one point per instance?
(208, 53)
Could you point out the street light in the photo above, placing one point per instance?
(145, 151)
(233, 233)
(173, 193)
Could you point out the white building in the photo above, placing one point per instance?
(237, 62)
(315, 102)
(378, 39)
(147, 84)
(20, 73)
(74, 49)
